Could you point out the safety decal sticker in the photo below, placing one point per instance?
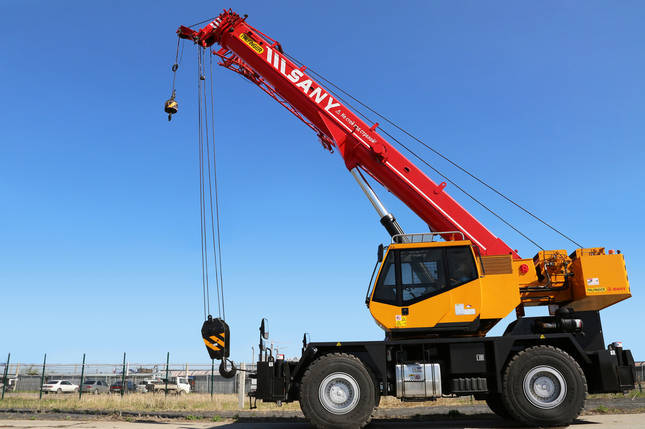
(252, 43)
(593, 281)
(401, 321)
(464, 309)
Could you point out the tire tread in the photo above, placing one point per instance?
(533, 350)
(321, 361)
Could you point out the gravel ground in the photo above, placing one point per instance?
(616, 421)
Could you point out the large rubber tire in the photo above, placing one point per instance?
(496, 405)
(337, 391)
(544, 386)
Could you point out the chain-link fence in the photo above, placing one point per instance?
(120, 378)
(130, 377)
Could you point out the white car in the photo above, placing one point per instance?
(142, 387)
(59, 386)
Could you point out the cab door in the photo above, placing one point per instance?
(427, 286)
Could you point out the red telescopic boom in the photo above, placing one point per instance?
(260, 59)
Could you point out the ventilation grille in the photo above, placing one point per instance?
(497, 264)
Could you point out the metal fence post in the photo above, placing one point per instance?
(242, 381)
(123, 377)
(167, 363)
(4, 377)
(212, 376)
(80, 388)
(42, 377)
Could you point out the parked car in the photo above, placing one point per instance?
(60, 386)
(142, 387)
(117, 386)
(177, 385)
(95, 386)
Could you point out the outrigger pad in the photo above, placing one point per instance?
(216, 334)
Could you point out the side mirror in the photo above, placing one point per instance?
(380, 253)
(264, 329)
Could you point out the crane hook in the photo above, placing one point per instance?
(171, 106)
(227, 373)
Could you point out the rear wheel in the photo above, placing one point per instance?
(59, 391)
(337, 391)
(544, 386)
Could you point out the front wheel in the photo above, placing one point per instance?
(337, 391)
(544, 386)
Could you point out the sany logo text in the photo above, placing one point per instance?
(317, 94)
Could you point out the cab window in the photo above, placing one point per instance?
(412, 275)
(385, 289)
(422, 273)
(461, 265)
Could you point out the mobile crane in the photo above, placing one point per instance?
(436, 294)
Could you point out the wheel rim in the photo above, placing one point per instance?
(545, 387)
(339, 393)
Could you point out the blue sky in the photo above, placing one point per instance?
(99, 239)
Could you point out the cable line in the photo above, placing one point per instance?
(203, 22)
(210, 229)
(499, 193)
(219, 241)
(202, 220)
(210, 185)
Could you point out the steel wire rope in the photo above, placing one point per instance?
(205, 286)
(481, 181)
(203, 22)
(420, 158)
(472, 197)
(210, 181)
(178, 58)
(219, 241)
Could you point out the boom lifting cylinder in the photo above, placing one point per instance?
(387, 219)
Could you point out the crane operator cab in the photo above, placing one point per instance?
(429, 287)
